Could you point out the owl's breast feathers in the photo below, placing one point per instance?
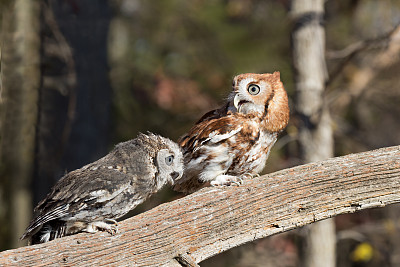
(237, 132)
(235, 139)
(234, 144)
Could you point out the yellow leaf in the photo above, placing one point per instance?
(363, 252)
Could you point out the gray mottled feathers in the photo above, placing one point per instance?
(108, 188)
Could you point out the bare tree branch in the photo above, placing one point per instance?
(388, 42)
(213, 220)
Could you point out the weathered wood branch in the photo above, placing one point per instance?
(214, 220)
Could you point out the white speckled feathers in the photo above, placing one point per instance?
(235, 140)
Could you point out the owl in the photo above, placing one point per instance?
(90, 199)
(234, 141)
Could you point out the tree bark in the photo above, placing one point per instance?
(20, 70)
(315, 133)
(216, 219)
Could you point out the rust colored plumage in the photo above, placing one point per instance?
(234, 141)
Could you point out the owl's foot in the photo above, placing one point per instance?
(250, 175)
(108, 225)
(227, 180)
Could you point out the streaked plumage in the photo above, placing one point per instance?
(93, 197)
(234, 141)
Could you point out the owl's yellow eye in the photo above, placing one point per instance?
(253, 89)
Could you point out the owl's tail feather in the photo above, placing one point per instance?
(50, 231)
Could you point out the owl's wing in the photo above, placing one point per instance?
(210, 131)
(201, 145)
(91, 186)
(214, 114)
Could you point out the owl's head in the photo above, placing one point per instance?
(168, 158)
(262, 95)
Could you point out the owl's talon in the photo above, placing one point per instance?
(227, 180)
(111, 221)
(108, 225)
(250, 175)
(214, 183)
(237, 183)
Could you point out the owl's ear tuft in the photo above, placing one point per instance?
(276, 75)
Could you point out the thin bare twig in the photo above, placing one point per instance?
(385, 41)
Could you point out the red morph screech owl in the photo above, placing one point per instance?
(234, 141)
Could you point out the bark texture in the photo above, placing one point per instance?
(315, 132)
(216, 219)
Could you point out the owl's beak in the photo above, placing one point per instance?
(236, 101)
(174, 176)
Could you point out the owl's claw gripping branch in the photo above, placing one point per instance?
(105, 226)
(113, 226)
(239, 181)
(226, 180)
(111, 221)
(249, 175)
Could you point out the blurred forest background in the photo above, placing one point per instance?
(77, 77)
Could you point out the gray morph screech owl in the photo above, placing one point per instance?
(234, 141)
(91, 198)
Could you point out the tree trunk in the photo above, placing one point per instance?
(55, 100)
(315, 133)
(213, 220)
(20, 70)
(75, 98)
